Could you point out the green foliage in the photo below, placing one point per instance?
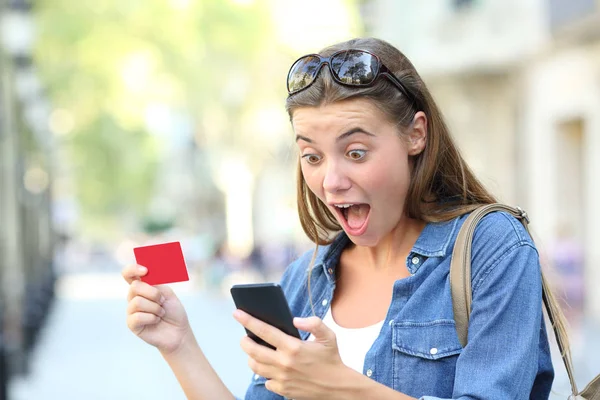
(107, 61)
(153, 226)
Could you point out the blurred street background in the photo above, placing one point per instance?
(127, 123)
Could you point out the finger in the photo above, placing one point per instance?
(276, 386)
(133, 272)
(260, 353)
(266, 332)
(139, 288)
(264, 370)
(141, 304)
(166, 291)
(315, 325)
(138, 321)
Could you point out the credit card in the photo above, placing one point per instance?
(164, 261)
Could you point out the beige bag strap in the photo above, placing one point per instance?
(460, 286)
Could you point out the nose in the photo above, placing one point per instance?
(335, 179)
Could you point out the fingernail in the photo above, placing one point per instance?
(237, 314)
(142, 269)
(162, 300)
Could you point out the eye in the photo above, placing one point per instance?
(357, 155)
(312, 158)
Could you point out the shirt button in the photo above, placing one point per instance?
(433, 351)
(415, 260)
(324, 302)
(330, 270)
(391, 322)
(369, 373)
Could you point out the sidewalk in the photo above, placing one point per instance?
(87, 351)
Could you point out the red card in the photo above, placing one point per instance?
(164, 261)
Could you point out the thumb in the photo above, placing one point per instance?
(315, 325)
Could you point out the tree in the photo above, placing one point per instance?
(106, 63)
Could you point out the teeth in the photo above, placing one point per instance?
(344, 205)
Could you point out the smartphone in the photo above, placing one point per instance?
(267, 302)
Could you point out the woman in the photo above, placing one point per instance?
(382, 191)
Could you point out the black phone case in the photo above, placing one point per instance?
(267, 302)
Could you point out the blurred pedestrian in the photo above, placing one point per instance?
(382, 191)
(567, 256)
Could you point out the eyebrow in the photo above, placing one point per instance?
(343, 136)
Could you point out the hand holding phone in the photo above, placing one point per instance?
(267, 302)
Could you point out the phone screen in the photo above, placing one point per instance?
(267, 302)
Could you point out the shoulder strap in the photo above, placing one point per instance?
(460, 284)
(460, 266)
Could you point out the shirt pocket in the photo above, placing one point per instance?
(431, 340)
(425, 355)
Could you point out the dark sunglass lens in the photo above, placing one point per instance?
(303, 73)
(354, 67)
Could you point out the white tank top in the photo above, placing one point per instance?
(353, 343)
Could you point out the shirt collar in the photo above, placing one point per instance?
(328, 256)
(436, 238)
(434, 241)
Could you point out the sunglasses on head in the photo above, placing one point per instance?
(357, 68)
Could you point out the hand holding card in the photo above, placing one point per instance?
(164, 261)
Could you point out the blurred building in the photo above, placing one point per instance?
(519, 83)
(26, 159)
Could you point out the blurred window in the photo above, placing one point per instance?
(459, 5)
(563, 12)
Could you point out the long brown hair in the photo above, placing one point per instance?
(442, 186)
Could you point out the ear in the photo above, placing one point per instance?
(417, 137)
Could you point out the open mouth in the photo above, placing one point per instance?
(354, 216)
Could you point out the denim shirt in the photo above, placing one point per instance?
(417, 351)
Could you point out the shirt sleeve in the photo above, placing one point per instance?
(500, 360)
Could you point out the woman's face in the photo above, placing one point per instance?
(357, 163)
